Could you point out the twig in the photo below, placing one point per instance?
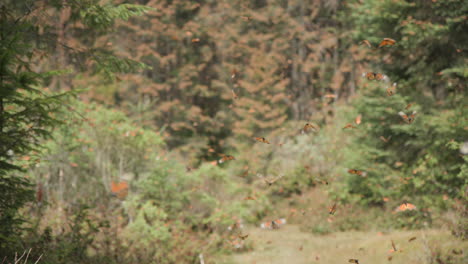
(16, 255)
(38, 259)
(27, 256)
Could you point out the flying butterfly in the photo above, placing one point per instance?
(386, 140)
(374, 76)
(387, 42)
(237, 244)
(243, 237)
(275, 224)
(332, 209)
(225, 158)
(412, 239)
(408, 118)
(394, 249)
(405, 207)
(357, 172)
(349, 125)
(252, 198)
(358, 119)
(366, 42)
(234, 95)
(269, 181)
(308, 126)
(119, 189)
(356, 261)
(262, 139)
(392, 89)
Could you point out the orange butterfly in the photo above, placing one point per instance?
(356, 261)
(237, 225)
(393, 247)
(237, 244)
(405, 207)
(348, 126)
(357, 172)
(234, 95)
(119, 189)
(412, 239)
(374, 76)
(268, 181)
(234, 73)
(250, 198)
(262, 139)
(194, 40)
(226, 158)
(392, 90)
(408, 106)
(386, 140)
(275, 224)
(243, 237)
(368, 44)
(408, 119)
(387, 42)
(332, 209)
(309, 126)
(358, 119)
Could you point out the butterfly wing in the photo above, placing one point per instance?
(387, 42)
(367, 43)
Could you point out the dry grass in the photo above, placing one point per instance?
(290, 245)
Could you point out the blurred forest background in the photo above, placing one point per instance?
(114, 114)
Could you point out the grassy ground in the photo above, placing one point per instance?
(290, 245)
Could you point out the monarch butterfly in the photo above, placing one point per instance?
(408, 119)
(119, 189)
(366, 42)
(237, 225)
(262, 139)
(393, 247)
(357, 172)
(243, 237)
(234, 73)
(405, 207)
(332, 209)
(374, 76)
(275, 224)
(348, 126)
(356, 261)
(309, 126)
(386, 140)
(268, 181)
(392, 90)
(412, 239)
(226, 158)
(237, 244)
(387, 42)
(234, 95)
(358, 119)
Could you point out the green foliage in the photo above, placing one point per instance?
(96, 148)
(25, 118)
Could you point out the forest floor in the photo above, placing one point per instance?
(292, 246)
